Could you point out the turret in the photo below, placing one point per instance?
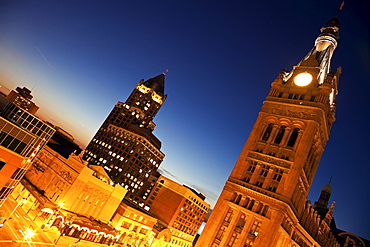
(324, 196)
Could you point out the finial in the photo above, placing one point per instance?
(330, 179)
(339, 9)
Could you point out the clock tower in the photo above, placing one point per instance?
(264, 201)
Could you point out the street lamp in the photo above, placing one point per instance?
(28, 233)
(55, 214)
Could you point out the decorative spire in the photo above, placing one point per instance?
(340, 8)
(156, 83)
(320, 55)
(324, 196)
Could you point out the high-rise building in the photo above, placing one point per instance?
(22, 135)
(180, 211)
(264, 201)
(22, 97)
(125, 145)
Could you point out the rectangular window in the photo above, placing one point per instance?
(253, 233)
(233, 239)
(126, 225)
(143, 230)
(14, 144)
(2, 164)
(7, 141)
(2, 136)
(241, 222)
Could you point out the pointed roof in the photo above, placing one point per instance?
(327, 188)
(156, 83)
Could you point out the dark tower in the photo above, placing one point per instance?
(264, 202)
(324, 197)
(125, 145)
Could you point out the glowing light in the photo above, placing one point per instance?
(143, 88)
(157, 98)
(303, 79)
(28, 233)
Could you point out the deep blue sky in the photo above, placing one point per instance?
(81, 57)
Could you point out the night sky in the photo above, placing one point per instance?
(80, 57)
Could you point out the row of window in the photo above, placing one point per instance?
(275, 93)
(250, 204)
(237, 230)
(27, 121)
(280, 134)
(262, 174)
(12, 143)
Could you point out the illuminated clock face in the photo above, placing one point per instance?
(303, 79)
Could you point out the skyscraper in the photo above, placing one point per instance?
(263, 202)
(125, 145)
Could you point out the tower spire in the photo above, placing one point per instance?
(340, 8)
(325, 44)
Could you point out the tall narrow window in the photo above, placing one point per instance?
(241, 222)
(254, 230)
(238, 198)
(280, 135)
(233, 239)
(267, 133)
(252, 166)
(264, 170)
(229, 216)
(293, 138)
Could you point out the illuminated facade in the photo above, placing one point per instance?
(264, 202)
(180, 211)
(81, 189)
(134, 224)
(22, 97)
(125, 145)
(79, 200)
(22, 135)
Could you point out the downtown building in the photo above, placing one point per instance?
(125, 145)
(264, 201)
(22, 136)
(180, 211)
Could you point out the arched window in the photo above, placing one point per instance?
(280, 134)
(293, 138)
(267, 133)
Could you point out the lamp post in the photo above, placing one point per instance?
(28, 233)
(65, 226)
(62, 233)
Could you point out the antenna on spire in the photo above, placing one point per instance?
(340, 8)
(330, 179)
(165, 72)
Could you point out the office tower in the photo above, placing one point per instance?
(180, 210)
(22, 97)
(22, 136)
(263, 202)
(125, 145)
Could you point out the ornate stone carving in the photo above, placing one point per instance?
(290, 112)
(268, 159)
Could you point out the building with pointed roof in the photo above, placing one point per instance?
(22, 97)
(125, 145)
(264, 201)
